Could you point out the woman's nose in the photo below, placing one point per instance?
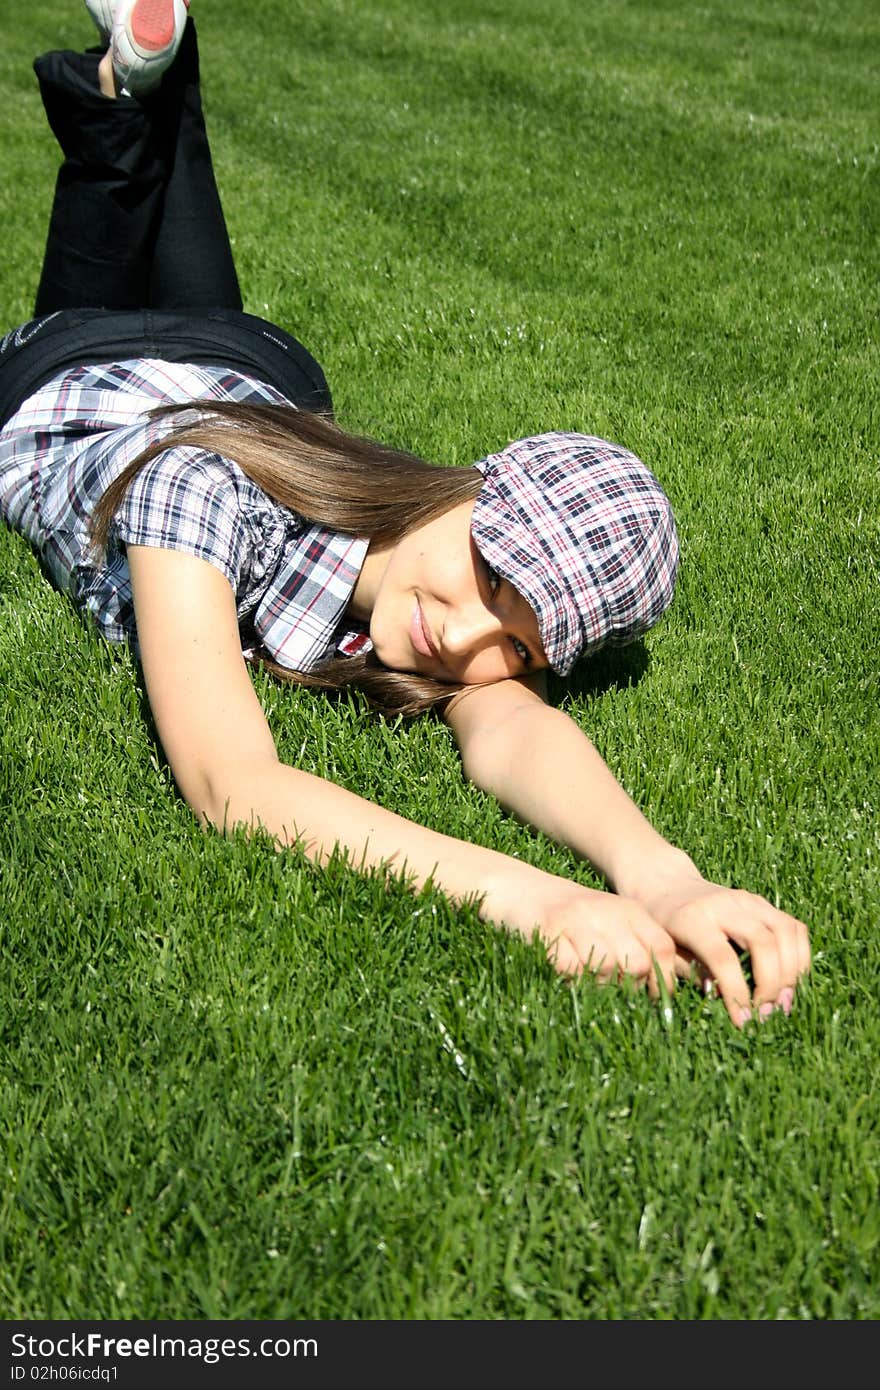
(467, 630)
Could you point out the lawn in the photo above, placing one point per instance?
(233, 1086)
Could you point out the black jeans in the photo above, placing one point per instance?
(137, 260)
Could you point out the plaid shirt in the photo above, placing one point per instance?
(292, 581)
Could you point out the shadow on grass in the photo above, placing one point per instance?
(612, 668)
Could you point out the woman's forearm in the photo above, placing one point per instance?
(543, 768)
(580, 927)
(297, 807)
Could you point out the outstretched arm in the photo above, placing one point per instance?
(221, 751)
(541, 766)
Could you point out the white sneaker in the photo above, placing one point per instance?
(102, 13)
(146, 37)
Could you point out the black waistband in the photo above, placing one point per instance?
(41, 349)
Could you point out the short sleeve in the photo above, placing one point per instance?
(189, 500)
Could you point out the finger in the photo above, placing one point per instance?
(788, 965)
(763, 948)
(793, 948)
(661, 978)
(739, 925)
(717, 970)
(573, 954)
(797, 941)
(662, 981)
(710, 961)
(650, 960)
(565, 957)
(730, 983)
(633, 961)
(654, 963)
(794, 951)
(805, 954)
(688, 968)
(607, 958)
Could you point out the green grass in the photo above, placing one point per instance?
(235, 1087)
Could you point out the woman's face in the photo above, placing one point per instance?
(436, 608)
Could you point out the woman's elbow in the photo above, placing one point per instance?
(223, 795)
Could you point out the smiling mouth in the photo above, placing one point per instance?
(419, 635)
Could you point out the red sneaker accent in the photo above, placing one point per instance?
(151, 23)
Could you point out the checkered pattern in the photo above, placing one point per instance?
(584, 531)
(60, 451)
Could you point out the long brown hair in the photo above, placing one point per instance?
(346, 482)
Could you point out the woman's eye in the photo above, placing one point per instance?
(494, 579)
(522, 651)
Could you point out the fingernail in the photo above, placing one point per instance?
(765, 1011)
(745, 1016)
(786, 999)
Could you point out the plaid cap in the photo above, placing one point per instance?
(585, 533)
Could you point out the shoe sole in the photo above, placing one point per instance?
(146, 38)
(151, 25)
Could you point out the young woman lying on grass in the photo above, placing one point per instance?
(175, 464)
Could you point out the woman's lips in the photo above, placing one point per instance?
(419, 635)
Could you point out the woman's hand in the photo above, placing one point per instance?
(712, 925)
(584, 929)
(540, 764)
